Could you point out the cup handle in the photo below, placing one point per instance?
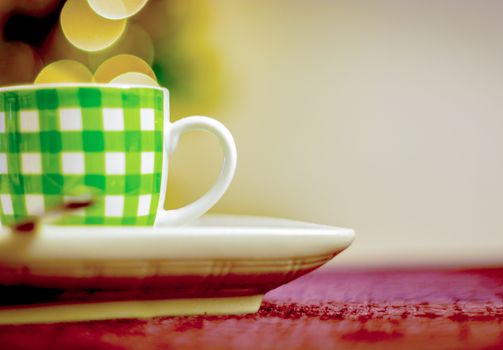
(203, 204)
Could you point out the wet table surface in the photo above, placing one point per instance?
(327, 309)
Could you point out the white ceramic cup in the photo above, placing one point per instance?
(113, 139)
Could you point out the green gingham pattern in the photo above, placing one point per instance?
(105, 139)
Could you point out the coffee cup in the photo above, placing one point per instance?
(110, 140)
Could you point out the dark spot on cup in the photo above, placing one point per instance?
(25, 227)
(77, 205)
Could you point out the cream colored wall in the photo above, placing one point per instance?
(385, 116)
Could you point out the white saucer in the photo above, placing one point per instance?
(219, 264)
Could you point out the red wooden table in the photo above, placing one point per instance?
(328, 309)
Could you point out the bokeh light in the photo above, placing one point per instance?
(134, 78)
(64, 71)
(57, 47)
(120, 64)
(87, 30)
(116, 9)
(135, 41)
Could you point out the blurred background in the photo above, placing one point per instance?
(385, 117)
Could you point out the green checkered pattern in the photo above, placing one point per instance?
(54, 141)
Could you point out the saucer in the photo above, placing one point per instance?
(220, 264)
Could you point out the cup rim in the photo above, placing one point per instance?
(77, 85)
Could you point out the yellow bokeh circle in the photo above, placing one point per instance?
(133, 78)
(135, 41)
(87, 30)
(121, 64)
(64, 71)
(116, 9)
